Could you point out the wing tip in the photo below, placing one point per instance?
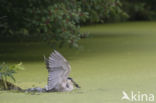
(55, 51)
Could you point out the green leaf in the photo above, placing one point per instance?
(9, 71)
(12, 77)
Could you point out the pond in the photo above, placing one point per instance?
(115, 58)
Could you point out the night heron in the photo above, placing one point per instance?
(58, 72)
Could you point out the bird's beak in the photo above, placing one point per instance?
(74, 83)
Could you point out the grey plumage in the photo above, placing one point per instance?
(58, 72)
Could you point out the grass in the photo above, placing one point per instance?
(116, 57)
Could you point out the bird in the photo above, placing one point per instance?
(58, 75)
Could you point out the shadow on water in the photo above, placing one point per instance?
(96, 44)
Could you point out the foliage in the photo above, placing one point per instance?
(58, 24)
(9, 71)
(103, 11)
(140, 9)
(55, 21)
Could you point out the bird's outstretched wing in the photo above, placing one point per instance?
(58, 69)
